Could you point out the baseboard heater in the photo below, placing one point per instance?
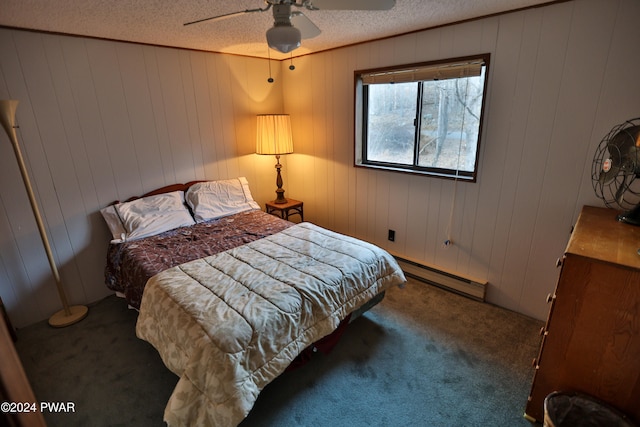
(466, 286)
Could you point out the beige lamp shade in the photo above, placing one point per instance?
(274, 134)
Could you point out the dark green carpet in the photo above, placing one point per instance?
(423, 357)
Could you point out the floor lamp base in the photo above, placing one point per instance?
(61, 319)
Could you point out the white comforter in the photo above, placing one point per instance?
(230, 323)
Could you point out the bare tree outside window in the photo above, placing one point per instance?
(391, 123)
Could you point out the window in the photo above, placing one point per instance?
(422, 118)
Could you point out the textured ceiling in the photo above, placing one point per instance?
(160, 22)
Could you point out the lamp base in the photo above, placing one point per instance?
(280, 199)
(60, 319)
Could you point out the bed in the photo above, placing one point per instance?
(230, 296)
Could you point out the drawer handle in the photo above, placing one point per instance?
(550, 297)
(558, 262)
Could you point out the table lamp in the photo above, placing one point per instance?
(274, 138)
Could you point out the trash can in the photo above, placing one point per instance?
(570, 409)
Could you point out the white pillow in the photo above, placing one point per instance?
(215, 199)
(153, 215)
(113, 222)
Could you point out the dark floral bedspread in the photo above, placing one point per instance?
(131, 264)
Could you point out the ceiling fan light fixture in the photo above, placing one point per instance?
(283, 38)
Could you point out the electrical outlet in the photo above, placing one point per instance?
(392, 235)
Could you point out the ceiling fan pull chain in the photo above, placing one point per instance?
(270, 79)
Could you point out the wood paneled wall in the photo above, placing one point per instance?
(561, 77)
(102, 120)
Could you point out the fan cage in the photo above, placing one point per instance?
(623, 191)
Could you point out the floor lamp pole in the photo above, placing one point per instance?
(69, 314)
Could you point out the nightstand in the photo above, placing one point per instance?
(285, 210)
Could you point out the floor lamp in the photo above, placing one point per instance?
(68, 315)
(274, 138)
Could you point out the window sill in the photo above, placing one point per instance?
(433, 174)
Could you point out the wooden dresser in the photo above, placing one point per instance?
(591, 341)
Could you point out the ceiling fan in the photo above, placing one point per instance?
(289, 27)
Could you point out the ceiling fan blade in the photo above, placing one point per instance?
(350, 4)
(307, 28)
(227, 15)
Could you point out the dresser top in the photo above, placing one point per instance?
(599, 235)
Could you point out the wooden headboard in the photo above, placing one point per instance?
(162, 190)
